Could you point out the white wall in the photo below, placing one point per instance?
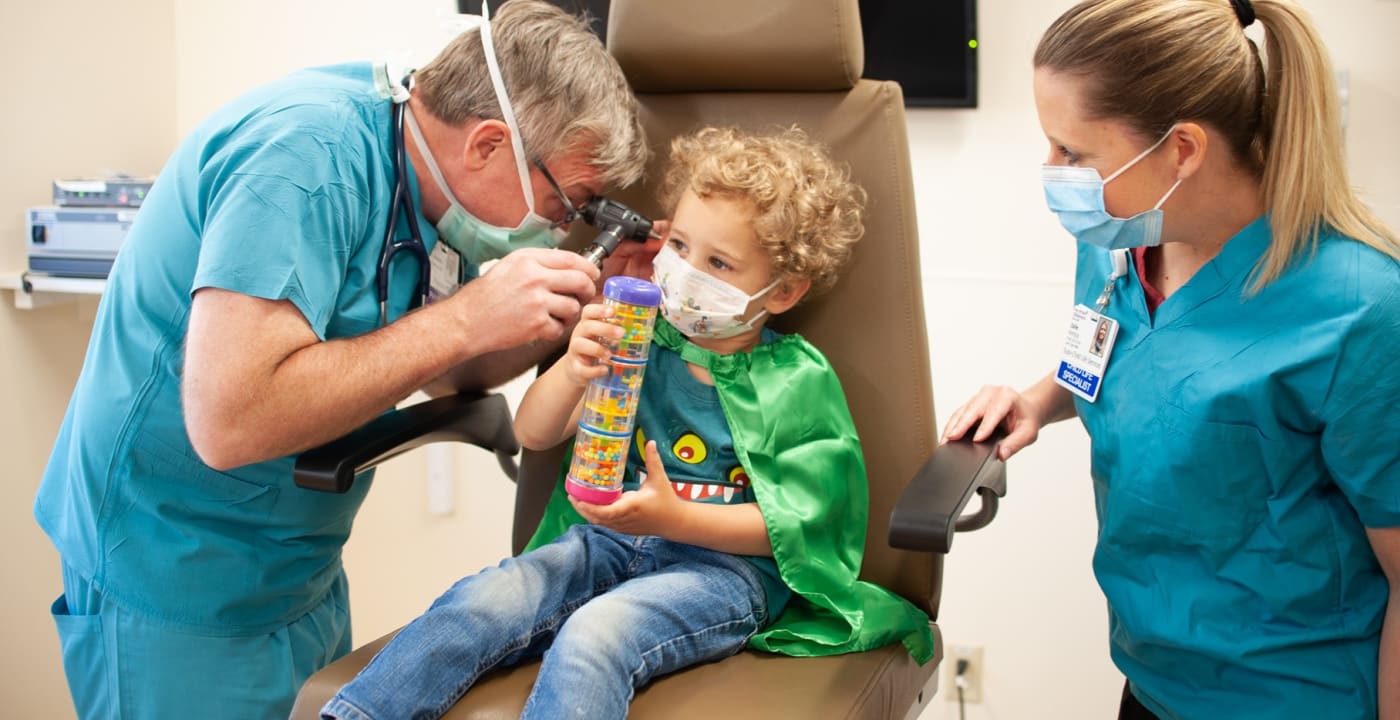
(57, 123)
(996, 267)
(998, 285)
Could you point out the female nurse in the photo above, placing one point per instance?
(1245, 424)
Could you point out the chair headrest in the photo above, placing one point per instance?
(719, 45)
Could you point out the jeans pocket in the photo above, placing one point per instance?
(85, 661)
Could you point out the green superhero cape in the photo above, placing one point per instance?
(794, 435)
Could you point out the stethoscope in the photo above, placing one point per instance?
(403, 201)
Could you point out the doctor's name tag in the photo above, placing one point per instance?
(1087, 347)
(444, 272)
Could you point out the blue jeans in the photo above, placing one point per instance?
(608, 611)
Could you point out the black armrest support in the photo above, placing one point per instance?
(929, 511)
(483, 421)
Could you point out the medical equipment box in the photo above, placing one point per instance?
(109, 192)
(76, 241)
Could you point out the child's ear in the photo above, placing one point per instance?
(788, 292)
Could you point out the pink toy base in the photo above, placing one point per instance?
(591, 494)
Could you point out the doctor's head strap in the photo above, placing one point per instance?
(565, 87)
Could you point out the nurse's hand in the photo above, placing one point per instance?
(1020, 414)
(529, 295)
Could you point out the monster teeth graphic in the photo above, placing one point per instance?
(695, 491)
(728, 494)
(680, 488)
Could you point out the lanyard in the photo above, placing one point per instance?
(1120, 268)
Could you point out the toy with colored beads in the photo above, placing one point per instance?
(610, 401)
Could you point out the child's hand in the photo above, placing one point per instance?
(652, 510)
(586, 355)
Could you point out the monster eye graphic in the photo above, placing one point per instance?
(689, 448)
(738, 476)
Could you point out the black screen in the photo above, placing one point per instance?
(929, 47)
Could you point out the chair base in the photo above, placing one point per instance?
(881, 684)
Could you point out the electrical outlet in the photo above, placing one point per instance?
(972, 677)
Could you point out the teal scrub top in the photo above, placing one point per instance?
(282, 194)
(1240, 448)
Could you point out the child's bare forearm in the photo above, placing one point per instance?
(733, 529)
(550, 409)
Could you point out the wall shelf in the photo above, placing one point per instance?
(34, 290)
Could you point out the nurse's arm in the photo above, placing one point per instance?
(1386, 544)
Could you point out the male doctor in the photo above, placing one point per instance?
(247, 319)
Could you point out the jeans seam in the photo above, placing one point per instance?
(344, 710)
(681, 638)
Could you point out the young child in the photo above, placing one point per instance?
(744, 523)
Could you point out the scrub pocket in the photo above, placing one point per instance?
(129, 666)
(1211, 489)
(76, 613)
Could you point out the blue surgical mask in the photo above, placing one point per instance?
(1075, 194)
(476, 239)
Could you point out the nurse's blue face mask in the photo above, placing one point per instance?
(1075, 194)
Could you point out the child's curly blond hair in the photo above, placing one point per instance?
(807, 211)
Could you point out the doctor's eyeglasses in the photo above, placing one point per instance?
(571, 211)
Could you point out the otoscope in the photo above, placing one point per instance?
(617, 222)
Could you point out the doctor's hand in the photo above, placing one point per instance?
(633, 259)
(992, 407)
(529, 295)
(652, 510)
(587, 356)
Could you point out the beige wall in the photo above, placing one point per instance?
(89, 90)
(1022, 588)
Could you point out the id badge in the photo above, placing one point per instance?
(444, 272)
(1087, 349)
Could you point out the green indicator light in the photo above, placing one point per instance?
(972, 44)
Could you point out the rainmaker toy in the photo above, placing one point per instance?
(610, 401)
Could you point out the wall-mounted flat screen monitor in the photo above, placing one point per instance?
(928, 46)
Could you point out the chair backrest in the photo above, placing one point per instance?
(770, 64)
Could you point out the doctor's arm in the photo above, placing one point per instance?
(631, 259)
(1386, 544)
(259, 384)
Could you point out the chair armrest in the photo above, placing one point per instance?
(483, 421)
(929, 511)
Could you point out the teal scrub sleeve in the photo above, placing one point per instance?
(284, 203)
(1361, 422)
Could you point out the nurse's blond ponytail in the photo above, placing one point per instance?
(1305, 180)
(1153, 63)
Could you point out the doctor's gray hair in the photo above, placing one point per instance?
(1153, 63)
(563, 85)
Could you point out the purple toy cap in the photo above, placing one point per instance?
(633, 291)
